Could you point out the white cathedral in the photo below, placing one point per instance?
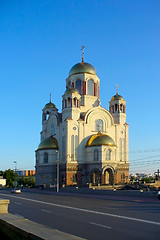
(85, 143)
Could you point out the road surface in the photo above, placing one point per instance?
(90, 216)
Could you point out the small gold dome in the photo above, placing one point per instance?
(71, 90)
(48, 143)
(100, 139)
(82, 67)
(117, 97)
(50, 105)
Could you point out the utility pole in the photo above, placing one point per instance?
(57, 171)
(15, 166)
(157, 174)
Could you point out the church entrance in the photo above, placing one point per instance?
(108, 176)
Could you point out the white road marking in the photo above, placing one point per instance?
(86, 210)
(17, 203)
(100, 225)
(43, 210)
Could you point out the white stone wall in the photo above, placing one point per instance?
(52, 157)
(73, 129)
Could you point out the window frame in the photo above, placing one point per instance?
(90, 87)
(45, 157)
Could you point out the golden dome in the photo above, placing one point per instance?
(100, 139)
(117, 97)
(48, 143)
(50, 105)
(82, 67)
(71, 90)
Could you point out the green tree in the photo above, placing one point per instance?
(31, 181)
(26, 181)
(148, 179)
(1, 173)
(10, 177)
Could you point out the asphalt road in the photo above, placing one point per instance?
(90, 216)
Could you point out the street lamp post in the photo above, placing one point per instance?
(15, 166)
(57, 171)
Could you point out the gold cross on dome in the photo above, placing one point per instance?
(117, 88)
(83, 47)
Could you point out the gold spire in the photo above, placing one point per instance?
(50, 97)
(82, 52)
(117, 89)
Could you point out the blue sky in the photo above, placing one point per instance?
(40, 41)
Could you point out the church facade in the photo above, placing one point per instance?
(85, 143)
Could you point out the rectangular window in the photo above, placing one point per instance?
(76, 146)
(63, 148)
(72, 147)
(96, 155)
(74, 178)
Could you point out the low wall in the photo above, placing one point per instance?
(4, 206)
(14, 227)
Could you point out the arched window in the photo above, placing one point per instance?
(122, 176)
(45, 157)
(37, 157)
(65, 103)
(44, 116)
(47, 115)
(69, 102)
(121, 107)
(79, 86)
(74, 102)
(99, 125)
(116, 107)
(120, 149)
(76, 146)
(108, 154)
(63, 148)
(72, 85)
(74, 178)
(96, 155)
(78, 103)
(90, 87)
(124, 109)
(72, 147)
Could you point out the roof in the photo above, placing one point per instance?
(48, 143)
(117, 97)
(82, 67)
(100, 139)
(71, 90)
(50, 105)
